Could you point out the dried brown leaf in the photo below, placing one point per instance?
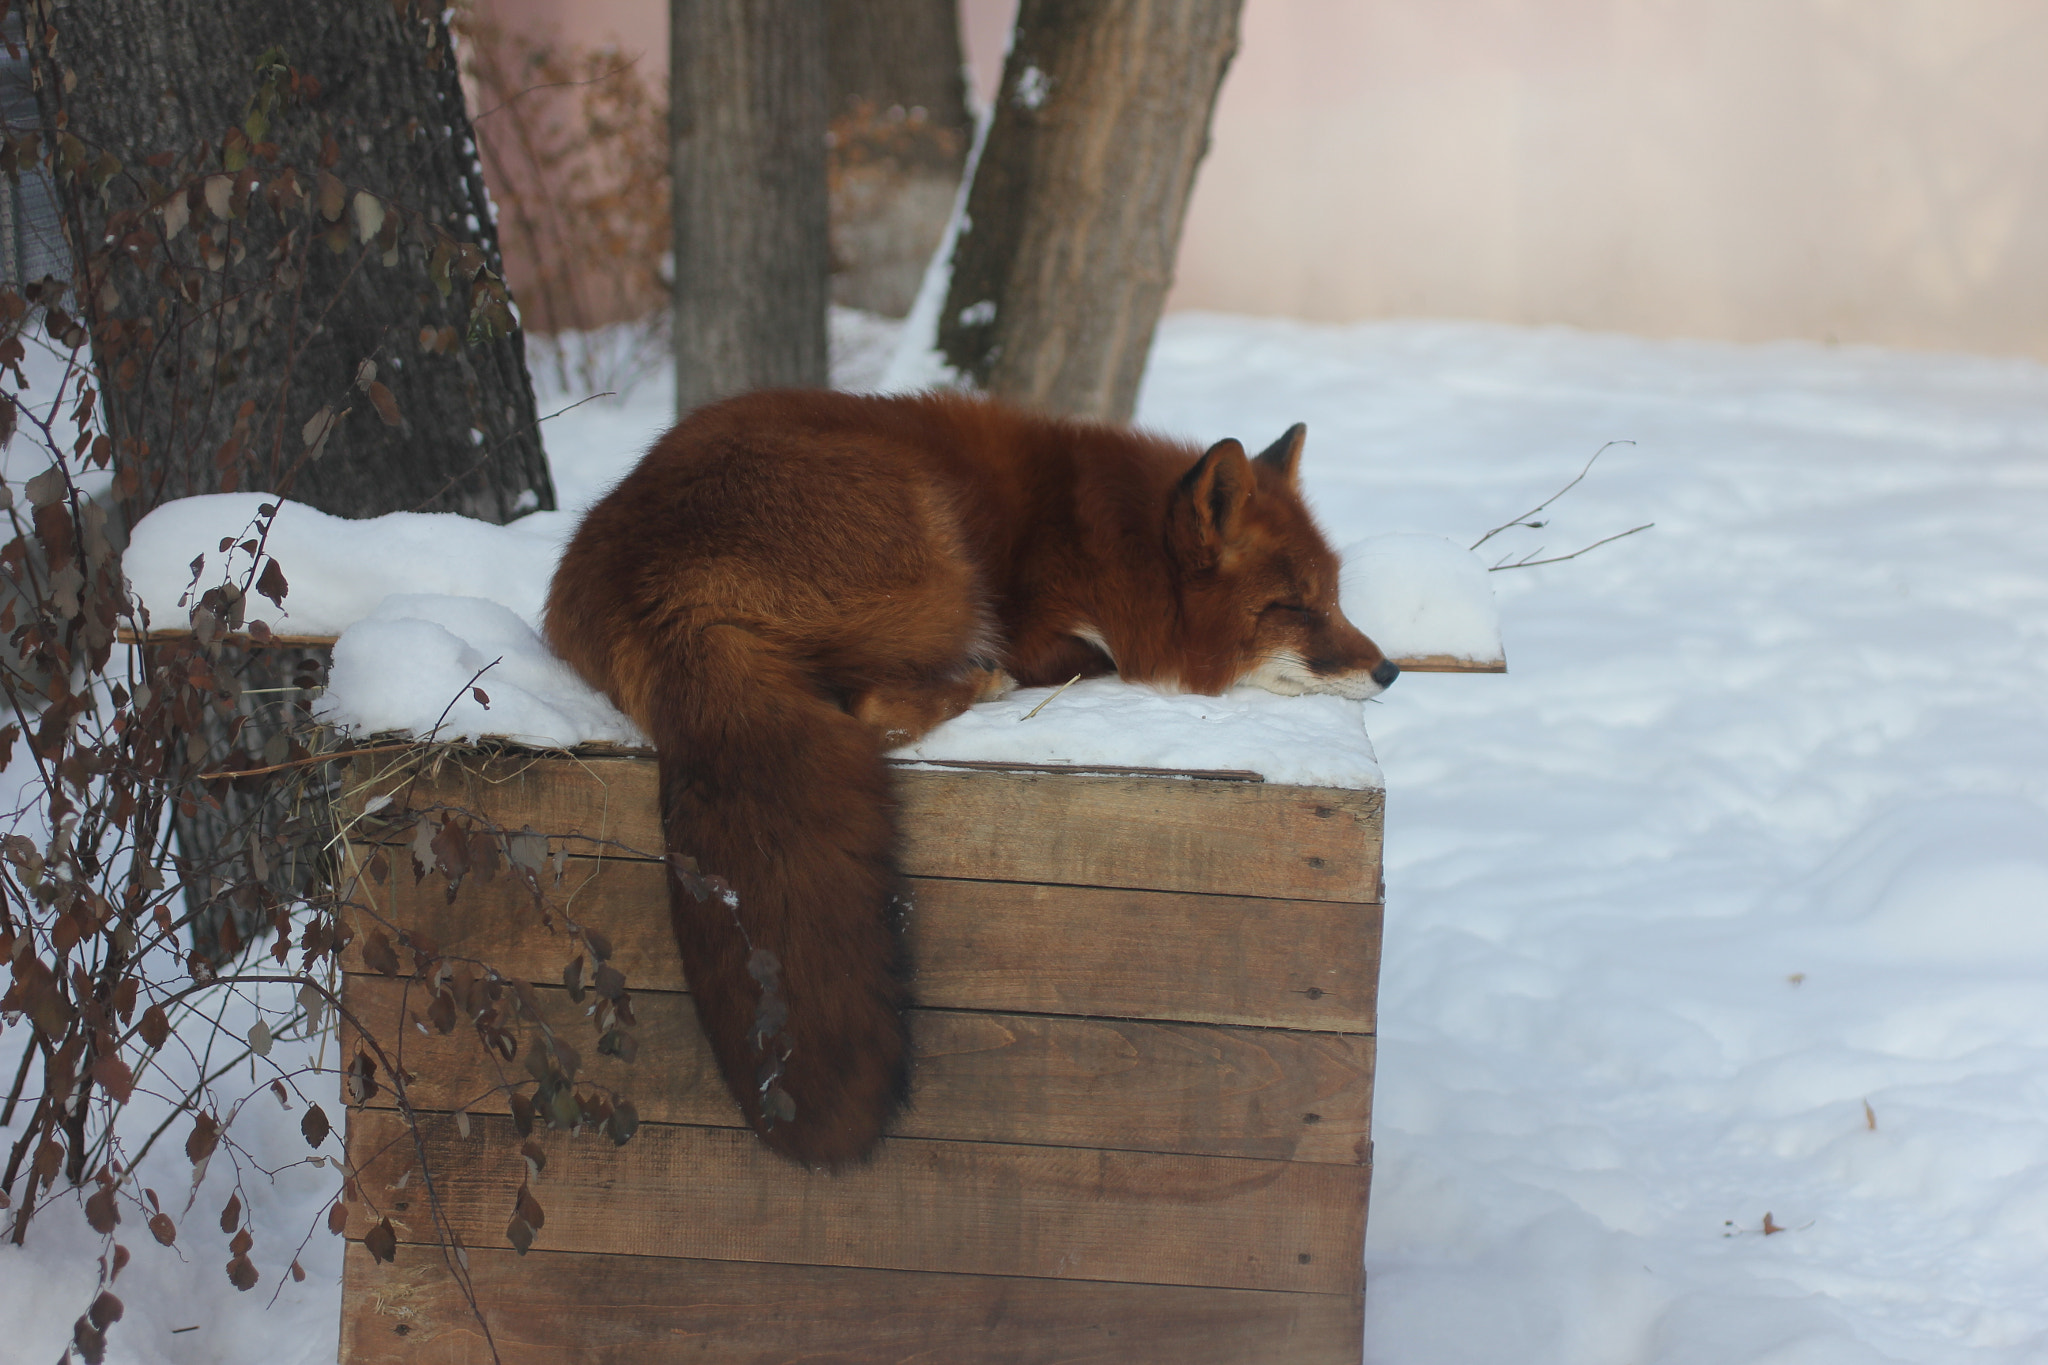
(155, 1027)
(271, 584)
(205, 1136)
(382, 1241)
(101, 1213)
(386, 405)
(378, 954)
(114, 1077)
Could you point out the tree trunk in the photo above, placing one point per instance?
(178, 80)
(1075, 214)
(284, 256)
(900, 129)
(747, 119)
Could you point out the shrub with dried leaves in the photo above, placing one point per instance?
(120, 1024)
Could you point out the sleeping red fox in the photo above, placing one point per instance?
(792, 582)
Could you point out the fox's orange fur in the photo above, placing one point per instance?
(792, 582)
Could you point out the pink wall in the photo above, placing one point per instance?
(1860, 170)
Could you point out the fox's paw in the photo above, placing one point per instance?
(992, 684)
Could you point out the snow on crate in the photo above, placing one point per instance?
(425, 602)
(462, 668)
(1302, 741)
(339, 570)
(410, 665)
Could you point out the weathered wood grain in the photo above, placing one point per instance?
(547, 1308)
(1224, 838)
(1189, 1088)
(1146, 955)
(1449, 663)
(959, 1207)
(974, 945)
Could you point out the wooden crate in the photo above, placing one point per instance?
(1141, 1111)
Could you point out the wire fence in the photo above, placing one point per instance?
(31, 241)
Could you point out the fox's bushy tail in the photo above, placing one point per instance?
(798, 976)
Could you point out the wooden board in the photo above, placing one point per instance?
(1224, 838)
(642, 1310)
(1187, 1088)
(975, 945)
(957, 1207)
(1446, 663)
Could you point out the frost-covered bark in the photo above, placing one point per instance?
(747, 123)
(1074, 217)
(382, 112)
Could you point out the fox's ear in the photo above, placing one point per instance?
(1283, 457)
(1209, 503)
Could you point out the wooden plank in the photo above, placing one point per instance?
(129, 636)
(1225, 838)
(991, 765)
(1446, 663)
(1018, 948)
(965, 1207)
(1146, 955)
(1189, 1088)
(555, 1309)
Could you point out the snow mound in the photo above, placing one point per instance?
(1421, 596)
(410, 667)
(1955, 881)
(340, 570)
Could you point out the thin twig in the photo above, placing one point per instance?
(1559, 559)
(1049, 700)
(28, 1054)
(492, 449)
(331, 757)
(1523, 520)
(517, 96)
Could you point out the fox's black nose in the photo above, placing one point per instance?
(1385, 674)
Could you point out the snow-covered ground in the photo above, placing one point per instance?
(1729, 900)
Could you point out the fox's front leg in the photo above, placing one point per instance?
(903, 712)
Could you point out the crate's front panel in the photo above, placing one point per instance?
(549, 1308)
(1140, 1122)
(1048, 1080)
(1126, 954)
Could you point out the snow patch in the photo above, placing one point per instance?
(340, 570)
(1306, 741)
(1419, 596)
(416, 662)
(1032, 87)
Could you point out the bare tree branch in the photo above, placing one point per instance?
(1523, 520)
